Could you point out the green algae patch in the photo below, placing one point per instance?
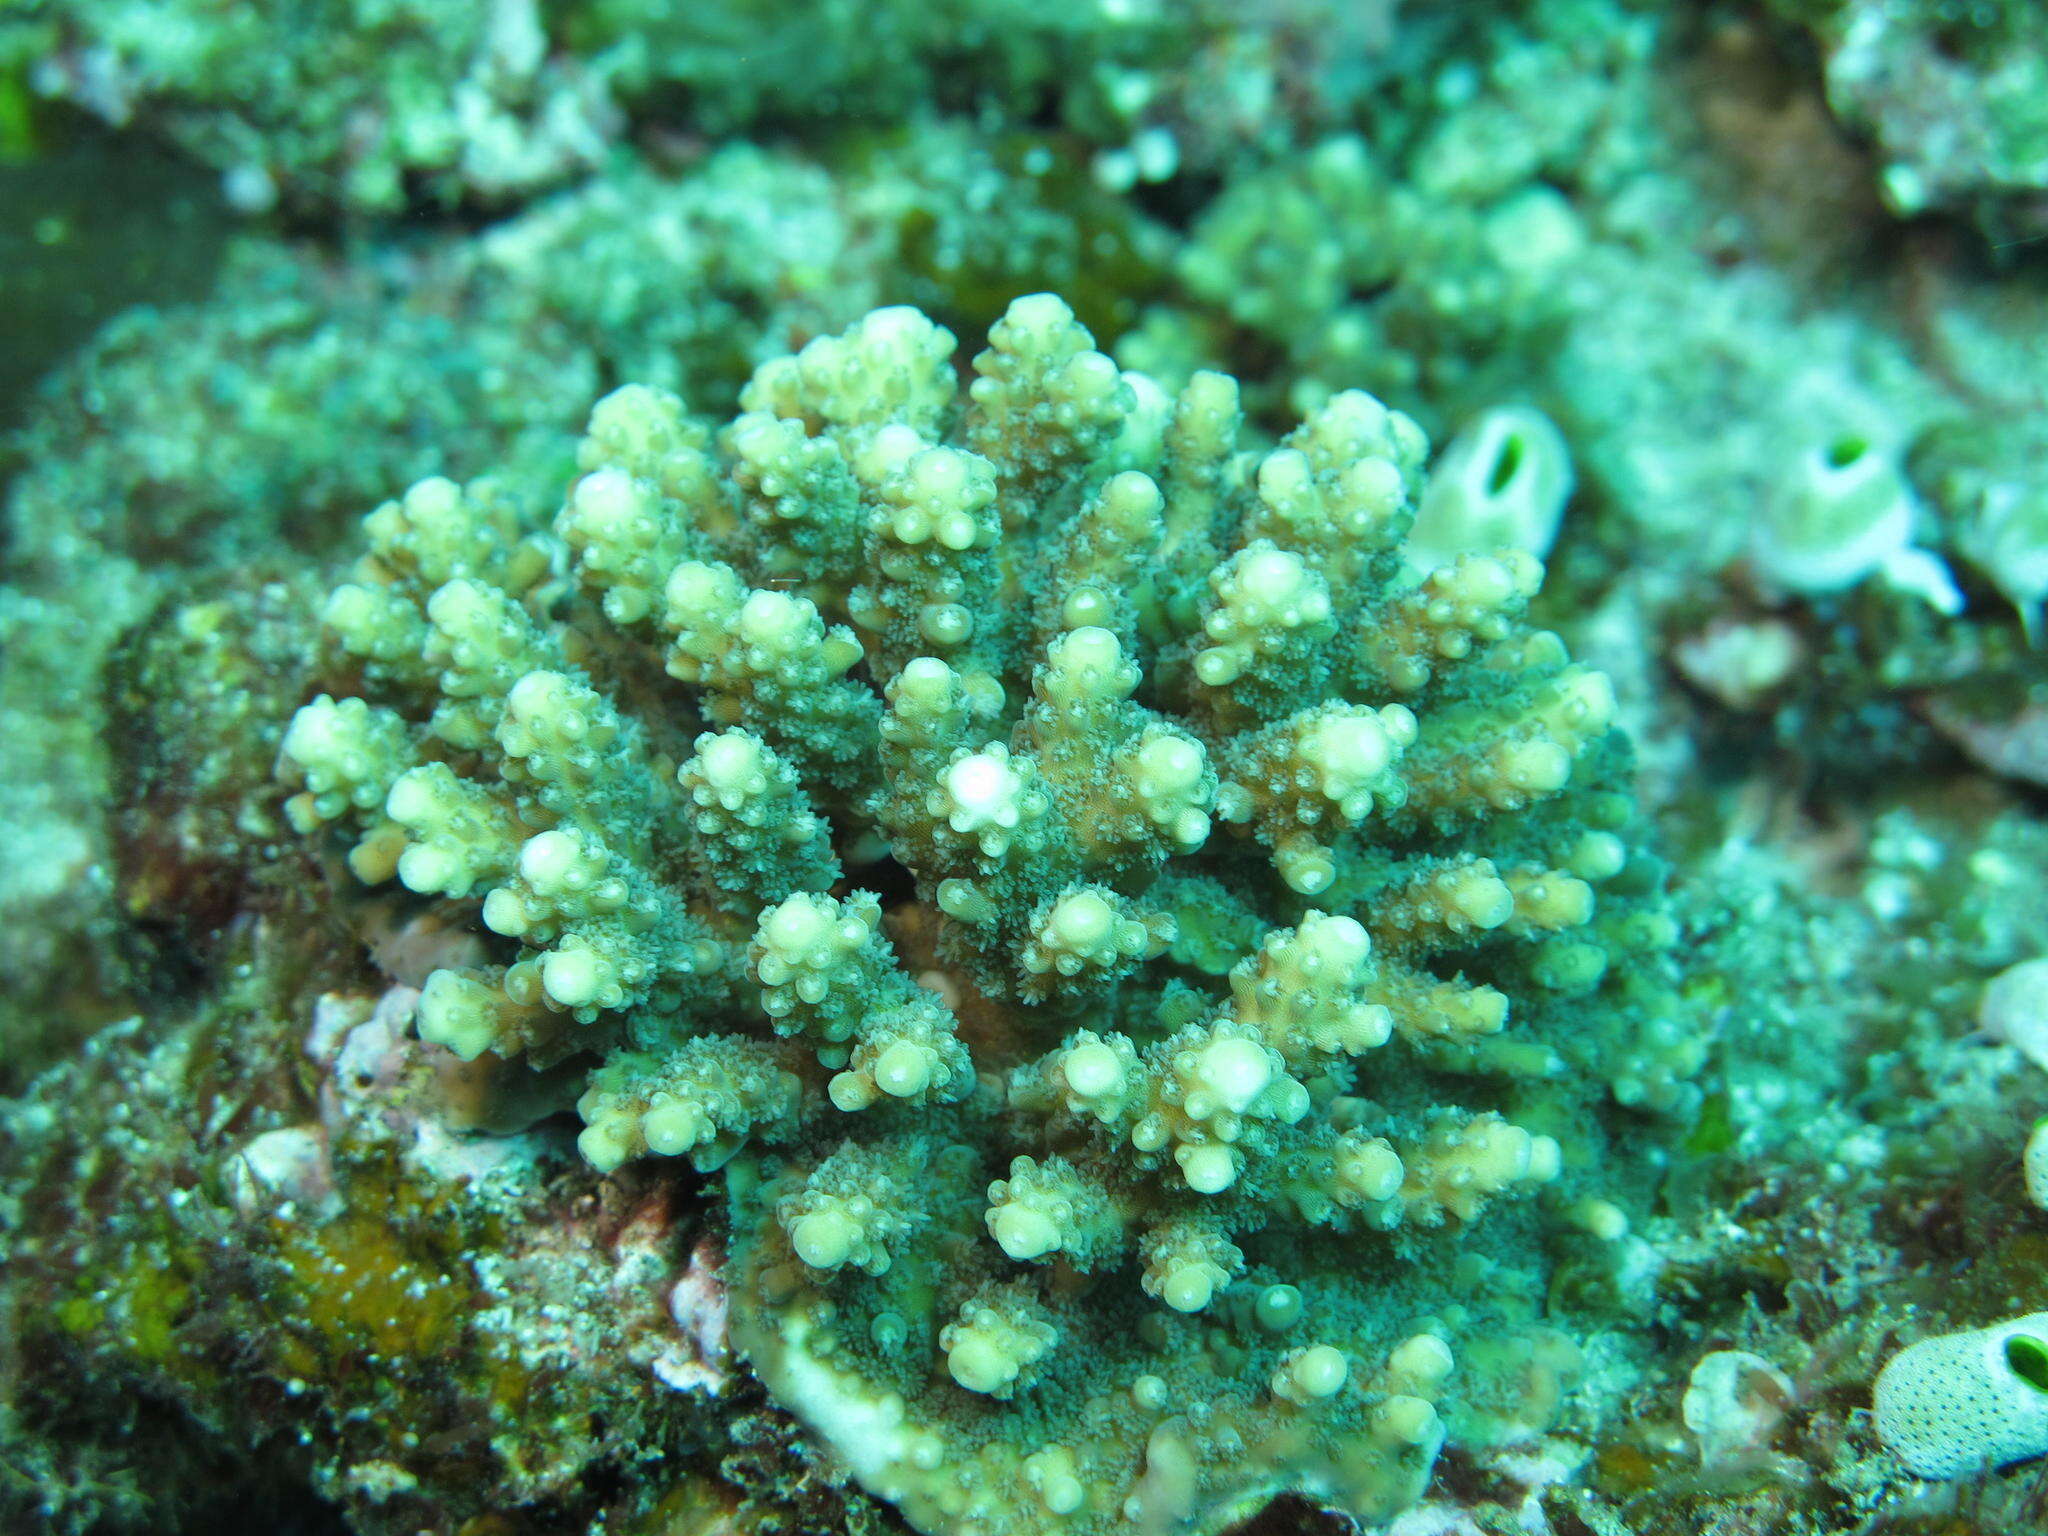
(152, 1303)
(354, 1284)
(1057, 228)
(95, 222)
(1626, 1470)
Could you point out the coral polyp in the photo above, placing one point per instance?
(1149, 964)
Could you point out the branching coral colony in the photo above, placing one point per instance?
(1134, 951)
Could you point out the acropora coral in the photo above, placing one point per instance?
(301, 389)
(1148, 967)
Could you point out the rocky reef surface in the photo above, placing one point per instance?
(781, 768)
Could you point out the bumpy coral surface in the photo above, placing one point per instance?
(375, 106)
(1149, 965)
(346, 102)
(1951, 91)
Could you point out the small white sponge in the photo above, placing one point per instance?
(1964, 1402)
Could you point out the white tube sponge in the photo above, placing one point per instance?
(2034, 1165)
(2014, 1008)
(1964, 1402)
(1502, 482)
(1842, 513)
